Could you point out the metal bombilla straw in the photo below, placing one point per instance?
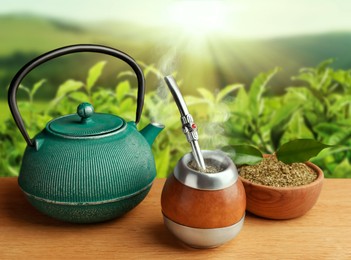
(188, 125)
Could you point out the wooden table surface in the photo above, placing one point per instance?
(323, 233)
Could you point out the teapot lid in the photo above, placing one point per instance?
(85, 123)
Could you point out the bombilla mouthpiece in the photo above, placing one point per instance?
(188, 125)
(178, 98)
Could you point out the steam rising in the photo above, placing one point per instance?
(168, 62)
(212, 129)
(164, 108)
(166, 65)
(210, 122)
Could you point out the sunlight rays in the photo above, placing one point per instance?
(197, 18)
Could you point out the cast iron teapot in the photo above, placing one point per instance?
(86, 167)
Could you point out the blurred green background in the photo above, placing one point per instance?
(209, 45)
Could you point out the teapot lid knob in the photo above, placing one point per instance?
(85, 123)
(85, 110)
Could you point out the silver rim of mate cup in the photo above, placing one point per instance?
(207, 181)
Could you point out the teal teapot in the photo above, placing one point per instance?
(86, 167)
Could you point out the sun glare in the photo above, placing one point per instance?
(198, 17)
(197, 29)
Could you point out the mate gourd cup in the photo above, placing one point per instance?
(204, 210)
(86, 167)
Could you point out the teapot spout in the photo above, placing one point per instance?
(151, 131)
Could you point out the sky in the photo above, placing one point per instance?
(239, 18)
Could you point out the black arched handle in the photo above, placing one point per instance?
(63, 51)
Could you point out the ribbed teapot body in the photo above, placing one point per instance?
(87, 171)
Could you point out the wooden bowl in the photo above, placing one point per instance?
(282, 202)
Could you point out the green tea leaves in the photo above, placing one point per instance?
(257, 88)
(94, 74)
(36, 87)
(300, 150)
(206, 94)
(243, 154)
(226, 91)
(67, 87)
(122, 89)
(162, 160)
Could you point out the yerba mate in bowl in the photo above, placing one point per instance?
(278, 191)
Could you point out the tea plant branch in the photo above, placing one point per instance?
(260, 136)
(300, 150)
